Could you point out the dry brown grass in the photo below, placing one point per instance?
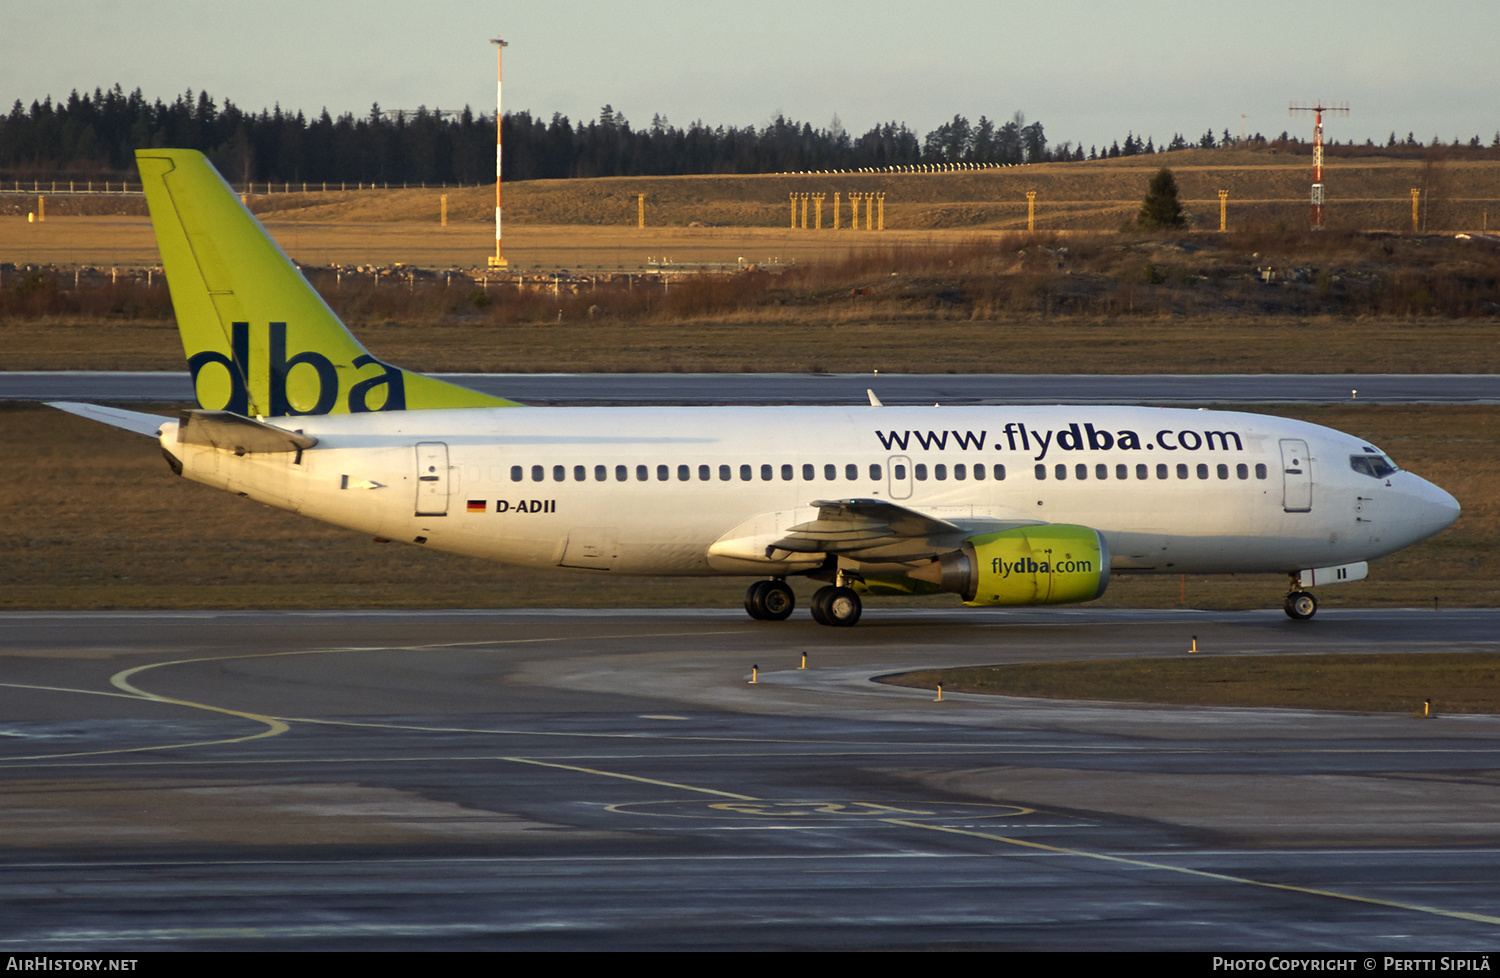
(765, 341)
(1267, 189)
(1463, 682)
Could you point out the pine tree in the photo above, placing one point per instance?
(1161, 209)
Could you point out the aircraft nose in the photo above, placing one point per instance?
(1430, 508)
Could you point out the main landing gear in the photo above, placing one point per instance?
(1300, 604)
(770, 601)
(774, 601)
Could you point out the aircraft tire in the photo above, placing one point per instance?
(1301, 605)
(819, 599)
(752, 600)
(836, 606)
(776, 601)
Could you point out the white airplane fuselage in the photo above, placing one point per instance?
(661, 490)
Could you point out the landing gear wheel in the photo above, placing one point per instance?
(837, 606)
(1301, 605)
(769, 601)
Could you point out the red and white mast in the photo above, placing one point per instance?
(1317, 188)
(497, 260)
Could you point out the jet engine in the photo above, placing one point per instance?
(1047, 564)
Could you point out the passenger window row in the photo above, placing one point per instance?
(939, 472)
(1143, 471)
(688, 473)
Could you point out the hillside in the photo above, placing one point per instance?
(1266, 190)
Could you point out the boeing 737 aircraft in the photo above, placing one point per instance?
(999, 505)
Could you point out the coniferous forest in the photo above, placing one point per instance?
(93, 136)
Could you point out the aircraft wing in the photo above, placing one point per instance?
(877, 530)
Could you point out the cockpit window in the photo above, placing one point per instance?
(1374, 465)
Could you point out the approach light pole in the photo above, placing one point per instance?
(1319, 108)
(497, 260)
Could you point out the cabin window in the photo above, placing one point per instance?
(1081, 470)
(1061, 472)
(704, 473)
(745, 473)
(830, 471)
(601, 473)
(765, 473)
(875, 472)
(1122, 471)
(940, 472)
(899, 471)
(663, 473)
(515, 473)
(642, 473)
(1041, 472)
(1142, 471)
(559, 473)
(538, 473)
(786, 472)
(808, 472)
(1202, 470)
(961, 472)
(684, 473)
(1182, 470)
(725, 474)
(1260, 470)
(580, 473)
(1223, 471)
(622, 473)
(851, 472)
(920, 471)
(1101, 471)
(999, 472)
(1161, 470)
(1242, 470)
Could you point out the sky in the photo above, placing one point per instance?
(1090, 71)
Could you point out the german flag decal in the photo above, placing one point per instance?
(478, 505)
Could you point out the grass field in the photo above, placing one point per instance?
(1454, 682)
(932, 303)
(1267, 189)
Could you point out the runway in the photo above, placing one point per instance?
(611, 779)
(952, 389)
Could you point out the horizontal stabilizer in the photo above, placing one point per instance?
(136, 421)
(232, 432)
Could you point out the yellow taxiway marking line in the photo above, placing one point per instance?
(131, 693)
(1201, 873)
(274, 726)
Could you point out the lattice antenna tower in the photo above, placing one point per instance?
(1318, 108)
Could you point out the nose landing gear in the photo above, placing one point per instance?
(1300, 605)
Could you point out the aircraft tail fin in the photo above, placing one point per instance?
(258, 338)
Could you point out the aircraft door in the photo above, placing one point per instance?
(899, 469)
(1296, 475)
(432, 478)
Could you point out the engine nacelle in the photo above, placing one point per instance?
(1053, 563)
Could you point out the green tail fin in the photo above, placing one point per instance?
(258, 338)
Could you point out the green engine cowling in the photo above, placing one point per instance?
(1054, 563)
